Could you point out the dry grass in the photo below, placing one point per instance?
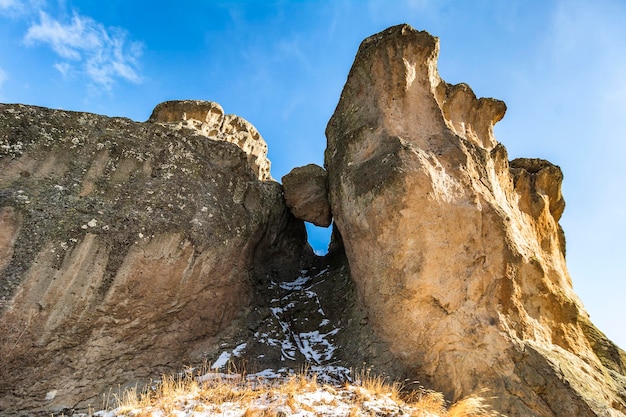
(426, 401)
(473, 406)
(218, 393)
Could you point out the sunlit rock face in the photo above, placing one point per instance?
(131, 249)
(456, 253)
(127, 249)
(207, 118)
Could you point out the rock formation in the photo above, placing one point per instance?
(456, 253)
(306, 194)
(127, 249)
(131, 249)
(207, 118)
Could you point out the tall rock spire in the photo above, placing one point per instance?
(457, 254)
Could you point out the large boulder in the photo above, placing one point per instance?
(127, 249)
(456, 253)
(306, 194)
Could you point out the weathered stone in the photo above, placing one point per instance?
(306, 194)
(457, 255)
(207, 118)
(127, 249)
(131, 249)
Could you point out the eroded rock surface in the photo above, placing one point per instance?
(457, 254)
(130, 249)
(208, 119)
(127, 249)
(306, 194)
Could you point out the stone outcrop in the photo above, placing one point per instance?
(457, 254)
(306, 194)
(207, 118)
(128, 249)
(131, 249)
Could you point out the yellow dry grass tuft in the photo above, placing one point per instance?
(425, 402)
(473, 406)
(214, 393)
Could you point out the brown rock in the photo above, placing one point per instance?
(458, 259)
(132, 249)
(306, 194)
(128, 249)
(207, 118)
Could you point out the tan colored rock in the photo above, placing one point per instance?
(306, 194)
(207, 118)
(457, 256)
(127, 250)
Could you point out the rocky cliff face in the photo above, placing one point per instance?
(457, 253)
(127, 248)
(130, 249)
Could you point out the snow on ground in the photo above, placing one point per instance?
(224, 357)
(307, 338)
(316, 344)
(297, 326)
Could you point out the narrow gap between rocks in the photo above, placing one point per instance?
(319, 238)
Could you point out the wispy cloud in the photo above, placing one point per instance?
(9, 4)
(103, 54)
(17, 8)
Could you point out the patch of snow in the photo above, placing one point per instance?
(103, 413)
(331, 374)
(270, 374)
(50, 395)
(288, 350)
(225, 356)
(213, 376)
(315, 347)
(239, 349)
(323, 271)
(295, 285)
(221, 361)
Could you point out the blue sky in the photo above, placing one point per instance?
(560, 65)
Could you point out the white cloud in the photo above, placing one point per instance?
(9, 4)
(104, 54)
(16, 8)
(64, 68)
(10, 8)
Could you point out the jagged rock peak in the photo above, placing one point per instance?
(458, 255)
(413, 55)
(208, 119)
